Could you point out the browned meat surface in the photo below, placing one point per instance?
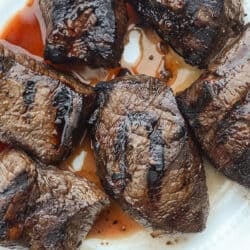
(198, 29)
(89, 32)
(40, 110)
(44, 209)
(145, 157)
(217, 107)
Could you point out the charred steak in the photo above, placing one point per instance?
(145, 157)
(40, 111)
(197, 30)
(217, 107)
(80, 31)
(44, 209)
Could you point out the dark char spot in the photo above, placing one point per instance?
(63, 102)
(29, 92)
(133, 122)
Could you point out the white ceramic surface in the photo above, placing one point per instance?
(228, 226)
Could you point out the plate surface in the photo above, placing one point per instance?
(228, 226)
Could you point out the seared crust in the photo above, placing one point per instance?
(89, 32)
(41, 112)
(44, 208)
(217, 107)
(197, 30)
(145, 157)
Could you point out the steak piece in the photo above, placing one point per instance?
(145, 157)
(217, 107)
(80, 31)
(40, 110)
(44, 209)
(197, 30)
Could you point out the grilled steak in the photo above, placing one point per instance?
(197, 30)
(145, 157)
(80, 31)
(217, 107)
(44, 209)
(40, 110)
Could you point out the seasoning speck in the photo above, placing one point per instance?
(115, 222)
(151, 57)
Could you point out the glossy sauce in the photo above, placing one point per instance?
(113, 222)
(159, 60)
(91, 76)
(26, 29)
(182, 74)
(151, 60)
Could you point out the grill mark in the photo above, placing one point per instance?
(33, 131)
(18, 185)
(229, 119)
(221, 89)
(5, 63)
(104, 87)
(102, 90)
(90, 32)
(192, 113)
(147, 165)
(219, 133)
(244, 164)
(192, 109)
(223, 131)
(239, 117)
(157, 153)
(157, 168)
(130, 124)
(1, 64)
(192, 30)
(120, 178)
(40, 207)
(239, 170)
(62, 101)
(29, 93)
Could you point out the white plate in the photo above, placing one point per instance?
(228, 225)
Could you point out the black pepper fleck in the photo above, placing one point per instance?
(151, 57)
(115, 222)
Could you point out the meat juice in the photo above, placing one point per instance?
(24, 30)
(27, 30)
(112, 222)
